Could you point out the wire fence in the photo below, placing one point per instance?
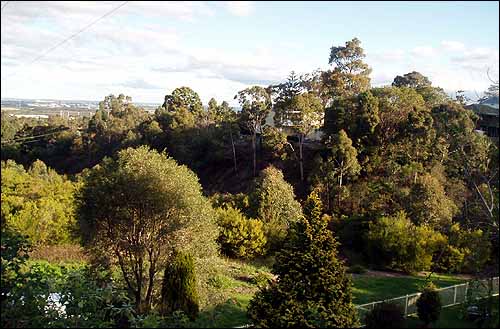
(450, 296)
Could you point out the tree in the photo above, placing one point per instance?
(255, 106)
(136, 210)
(342, 163)
(312, 288)
(306, 115)
(273, 201)
(181, 109)
(179, 286)
(282, 95)
(395, 242)
(229, 119)
(433, 96)
(39, 203)
(429, 305)
(350, 75)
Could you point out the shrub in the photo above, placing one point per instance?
(397, 243)
(260, 278)
(239, 201)
(312, 289)
(179, 286)
(273, 201)
(429, 305)
(385, 315)
(239, 236)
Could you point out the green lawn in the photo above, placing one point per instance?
(451, 317)
(366, 288)
(370, 289)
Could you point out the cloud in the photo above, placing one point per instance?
(139, 84)
(477, 55)
(453, 45)
(240, 8)
(423, 51)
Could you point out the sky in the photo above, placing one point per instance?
(147, 49)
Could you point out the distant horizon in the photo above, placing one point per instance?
(64, 50)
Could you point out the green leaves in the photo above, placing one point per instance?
(38, 203)
(136, 209)
(312, 288)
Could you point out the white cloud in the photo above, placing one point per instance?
(240, 8)
(423, 51)
(453, 45)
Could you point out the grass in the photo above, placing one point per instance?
(367, 288)
(451, 317)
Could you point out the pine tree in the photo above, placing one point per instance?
(312, 289)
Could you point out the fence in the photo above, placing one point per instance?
(450, 296)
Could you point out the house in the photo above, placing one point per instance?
(287, 127)
(487, 110)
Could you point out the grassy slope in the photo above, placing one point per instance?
(237, 284)
(369, 288)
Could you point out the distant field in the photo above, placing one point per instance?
(10, 109)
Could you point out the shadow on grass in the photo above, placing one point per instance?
(232, 313)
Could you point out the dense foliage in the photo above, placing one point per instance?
(312, 288)
(179, 291)
(38, 202)
(136, 209)
(405, 180)
(240, 236)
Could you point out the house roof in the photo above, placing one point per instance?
(481, 109)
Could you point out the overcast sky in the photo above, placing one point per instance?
(146, 49)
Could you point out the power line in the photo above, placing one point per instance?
(31, 137)
(71, 36)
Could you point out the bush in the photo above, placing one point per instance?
(239, 236)
(397, 243)
(273, 201)
(239, 201)
(385, 315)
(38, 203)
(179, 286)
(429, 305)
(260, 278)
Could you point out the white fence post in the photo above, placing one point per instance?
(454, 295)
(406, 305)
(466, 288)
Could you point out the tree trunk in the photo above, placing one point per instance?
(254, 136)
(234, 150)
(301, 159)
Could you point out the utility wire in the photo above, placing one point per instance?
(31, 137)
(70, 37)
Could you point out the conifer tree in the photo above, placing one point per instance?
(179, 286)
(312, 288)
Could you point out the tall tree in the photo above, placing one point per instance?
(312, 288)
(255, 106)
(433, 96)
(136, 210)
(229, 119)
(350, 74)
(306, 115)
